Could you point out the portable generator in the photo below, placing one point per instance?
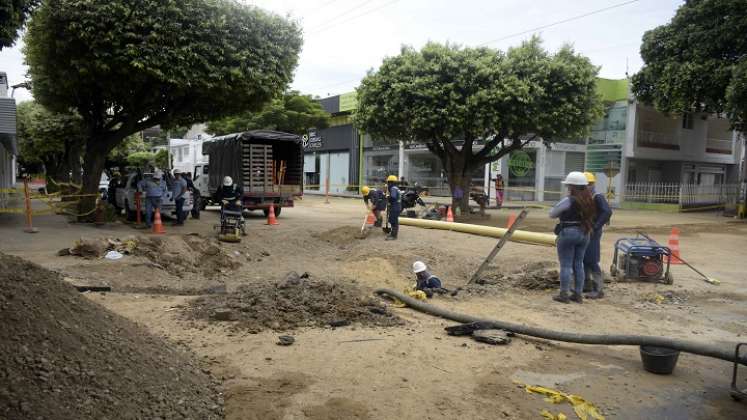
(640, 258)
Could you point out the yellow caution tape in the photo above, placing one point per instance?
(10, 190)
(550, 416)
(12, 210)
(584, 409)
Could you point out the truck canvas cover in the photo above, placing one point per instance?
(227, 153)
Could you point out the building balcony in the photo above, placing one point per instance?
(720, 146)
(657, 140)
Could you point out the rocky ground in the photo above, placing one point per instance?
(378, 368)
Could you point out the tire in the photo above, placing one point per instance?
(266, 212)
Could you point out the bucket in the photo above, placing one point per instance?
(661, 360)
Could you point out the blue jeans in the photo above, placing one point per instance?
(151, 203)
(394, 212)
(180, 216)
(591, 257)
(572, 242)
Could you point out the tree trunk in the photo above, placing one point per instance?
(459, 176)
(94, 161)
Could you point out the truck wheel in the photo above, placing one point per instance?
(131, 215)
(267, 211)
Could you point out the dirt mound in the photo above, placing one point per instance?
(297, 301)
(64, 357)
(178, 254)
(343, 235)
(533, 276)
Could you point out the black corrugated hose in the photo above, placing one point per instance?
(724, 351)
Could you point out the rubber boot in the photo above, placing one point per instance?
(588, 284)
(562, 297)
(576, 297)
(598, 281)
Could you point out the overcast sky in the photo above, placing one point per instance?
(345, 38)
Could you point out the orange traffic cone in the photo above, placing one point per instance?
(674, 246)
(371, 219)
(271, 220)
(449, 215)
(157, 225)
(511, 220)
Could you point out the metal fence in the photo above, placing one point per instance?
(684, 195)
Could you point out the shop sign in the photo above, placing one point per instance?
(348, 102)
(312, 140)
(520, 163)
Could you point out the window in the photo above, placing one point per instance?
(687, 121)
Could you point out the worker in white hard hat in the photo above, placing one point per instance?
(426, 281)
(230, 193)
(576, 213)
(154, 188)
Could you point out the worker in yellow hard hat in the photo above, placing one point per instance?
(375, 200)
(591, 258)
(395, 207)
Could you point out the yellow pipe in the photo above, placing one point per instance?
(533, 238)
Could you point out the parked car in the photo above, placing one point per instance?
(125, 196)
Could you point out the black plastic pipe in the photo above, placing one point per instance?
(725, 351)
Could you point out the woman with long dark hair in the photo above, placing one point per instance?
(576, 212)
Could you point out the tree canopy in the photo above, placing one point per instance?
(450, 97)
(13, 15)
(292, 113)
(698, 61)
(127, 65)
(54, 140)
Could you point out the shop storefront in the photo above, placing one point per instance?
(331, 156)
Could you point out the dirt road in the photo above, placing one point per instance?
(416, 370)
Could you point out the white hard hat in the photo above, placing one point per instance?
(157, 174)
(576, 178)
(227, 181)
(418, 267)
(177, 171)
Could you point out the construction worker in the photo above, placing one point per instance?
(178, 188)
(426, 281)
(196, 198)
(377, 204)
(577, 214)
(592, 255)
(395, 207)
(154, 189)
(112, 188)
(231, 193)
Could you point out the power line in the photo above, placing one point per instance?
(549, 25)
(314, 10)
(351, 10)
(381, 6)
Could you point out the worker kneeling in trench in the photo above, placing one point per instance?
(425, 281)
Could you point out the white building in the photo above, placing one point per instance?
(8, 146)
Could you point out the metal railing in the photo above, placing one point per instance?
(657, 140)
(721, 146)
(687, 196)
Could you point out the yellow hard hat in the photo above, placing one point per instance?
(392, 178)
(365, 190)
(590, 177)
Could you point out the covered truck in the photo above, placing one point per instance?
(268, 165)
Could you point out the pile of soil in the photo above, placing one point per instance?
(539, 275)
(180, 255)
(297, 301)
(341, 236)
(65, 357)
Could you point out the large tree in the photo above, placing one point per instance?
(698, 61)
(451, 98)
(127, 65)
(292, 113)
(13, 15)
(54, 140)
